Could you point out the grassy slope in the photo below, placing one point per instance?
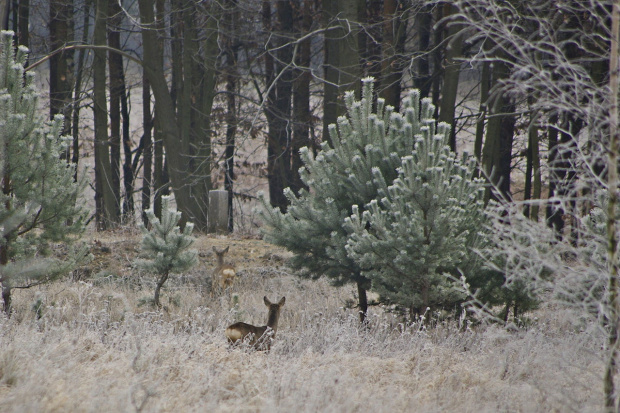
(96, 350)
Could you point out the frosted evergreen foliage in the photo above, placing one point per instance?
(40, 184)
(341, 176)
(164, 247)
(39, 197)
(422, 226)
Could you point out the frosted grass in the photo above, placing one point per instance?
(95, 349)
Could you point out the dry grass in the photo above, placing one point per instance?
(95, 349)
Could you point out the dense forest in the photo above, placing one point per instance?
(441, 155)
(212, 75)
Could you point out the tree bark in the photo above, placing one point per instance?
(231, 109)
(4, 14)
(497, 151)
(187, 168)
(363, 301)
(116, 84)
(422, 79)
(451, 70)
(77, 90)
(280, 131)
(392, 66)
(61, 64)
(104, 195)
(485, 80)
(147, 166)
(160, 284)
(301, 96)
(23, 15)
(342, 57)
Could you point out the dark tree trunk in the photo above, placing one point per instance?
(116, 84)
(61, 64)
(160, 284)
(393, 64)
(77, 90)
(342, 57)
(231, 109)
(497, 156)
(23, 15)
(301, 96)
(451, 70)
(370, 42)
(4, 14)
(363, 301)
(422, 79)
(279, 139)
(147, 166)
(562, 172)
(485, 81)
(104, 195)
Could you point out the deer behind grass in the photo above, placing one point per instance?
(224, 274)
(258, 337)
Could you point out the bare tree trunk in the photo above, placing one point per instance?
(485, 80)
(23, 16)
(280, 131)
(370, 41)
(160, 284)
(147, 166)
(301, 97)
(451, 71)
(104, 194)
(61, 64)
(497, 152)
(362, 301)
(613, 302)
(115, 68)
(159, 181)
(77, 90)
(394, 38)
(342, 57)
(231, 108)
(4, 14)
(187, 149)
(422, 79)
(532, 175)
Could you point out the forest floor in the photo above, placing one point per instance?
(86, 343)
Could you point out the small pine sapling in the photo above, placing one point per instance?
(164, 248)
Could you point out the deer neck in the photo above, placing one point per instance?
(272, 320)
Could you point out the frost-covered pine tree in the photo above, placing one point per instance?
(339, 177)
(164, 248)
(423, 225)
(38, 201)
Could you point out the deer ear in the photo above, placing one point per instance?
(226, 250)
(214, 249)
(267, 302)
(281, 303)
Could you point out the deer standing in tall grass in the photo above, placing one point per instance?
(258, 337)
(224, 274)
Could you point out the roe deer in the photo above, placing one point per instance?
(224, 274)
(259, 337)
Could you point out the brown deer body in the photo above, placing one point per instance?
(224, 274)
(258, 337)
